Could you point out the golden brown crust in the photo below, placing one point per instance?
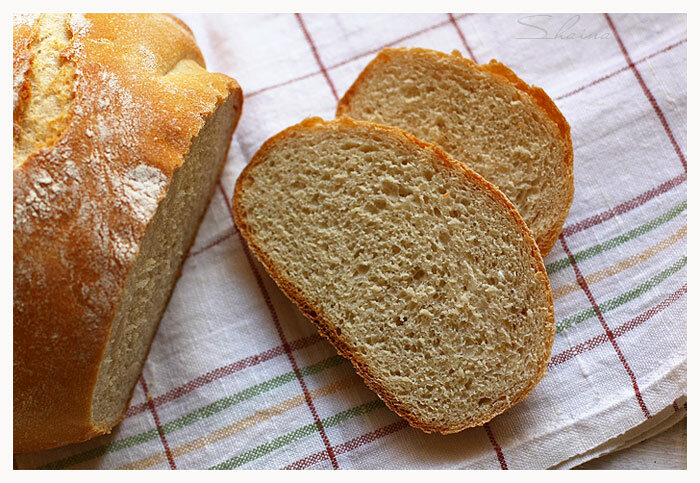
(324, 327)
(83, 203)
(504, 75)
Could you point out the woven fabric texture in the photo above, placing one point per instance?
(237, 378)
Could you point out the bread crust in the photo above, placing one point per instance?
(82, 203)
(322, 324)
(503, 75)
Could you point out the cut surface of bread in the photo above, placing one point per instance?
(119, 134)
(414, 267)
(483, 115)
(157, 267)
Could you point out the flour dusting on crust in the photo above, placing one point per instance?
(78, 22)
(21, 19)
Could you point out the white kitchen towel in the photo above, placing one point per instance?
(237, 378)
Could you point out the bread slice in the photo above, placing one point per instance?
(120, 134)
(416, 269)
(483, 115)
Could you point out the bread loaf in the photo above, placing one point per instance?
(119, 136)
(484, 115)
(416, 269)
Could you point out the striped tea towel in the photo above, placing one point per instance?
(237, 378)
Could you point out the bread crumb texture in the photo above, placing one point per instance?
(416, 268)
(484, 116)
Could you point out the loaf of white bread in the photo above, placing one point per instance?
(509, 132)
(418, 270)
(120, 134)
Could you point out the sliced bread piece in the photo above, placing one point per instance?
(510, 133)
(414, 267)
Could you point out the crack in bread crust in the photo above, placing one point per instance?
(43, 88)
